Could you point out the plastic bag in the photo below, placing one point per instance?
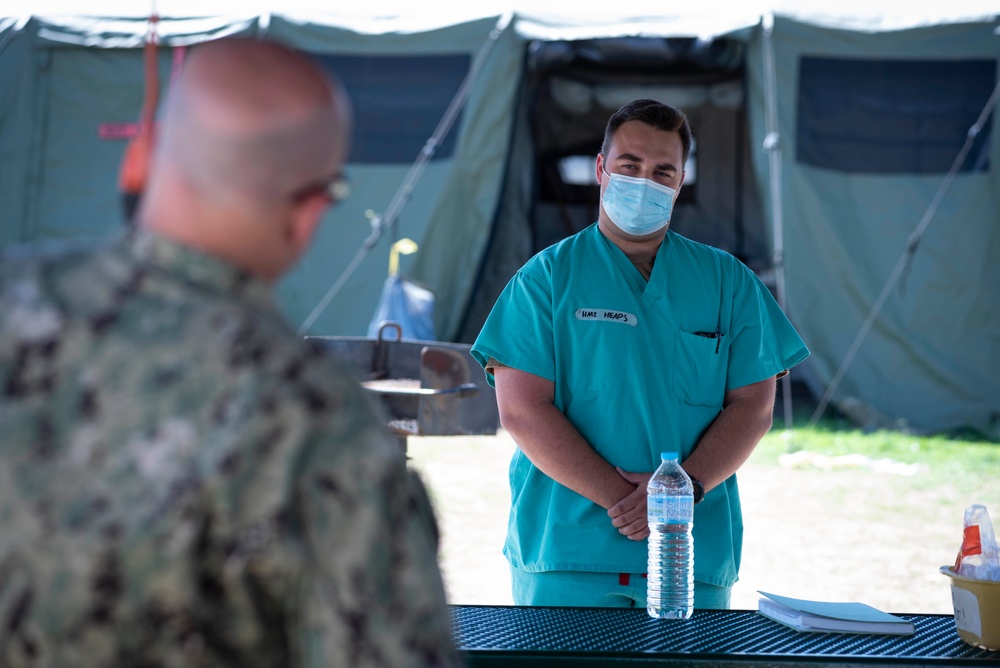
(978, 558)
(407, 304)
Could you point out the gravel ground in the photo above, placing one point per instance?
(840, 534)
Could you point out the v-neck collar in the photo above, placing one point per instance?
(647, 291)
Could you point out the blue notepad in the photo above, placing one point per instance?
(827, 617)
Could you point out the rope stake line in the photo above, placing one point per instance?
(381, 222)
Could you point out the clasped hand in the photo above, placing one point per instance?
(629, 514)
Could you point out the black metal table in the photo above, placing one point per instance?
(522, 636)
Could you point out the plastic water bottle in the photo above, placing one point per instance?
(670, 576)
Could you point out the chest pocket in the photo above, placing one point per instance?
(699, 369)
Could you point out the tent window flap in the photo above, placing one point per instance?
(398, 102)
(892, 116)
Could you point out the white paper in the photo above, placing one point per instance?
(967, 611)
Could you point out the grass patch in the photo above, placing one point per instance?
(966, 458)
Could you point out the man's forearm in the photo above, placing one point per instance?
(555, 446)
(551, 441)
(731, 438)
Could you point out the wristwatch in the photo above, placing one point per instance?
(699, 489)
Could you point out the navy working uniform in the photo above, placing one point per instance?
(186, 482)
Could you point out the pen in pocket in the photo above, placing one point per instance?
(717, 335)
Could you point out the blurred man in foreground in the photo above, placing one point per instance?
(183, 480)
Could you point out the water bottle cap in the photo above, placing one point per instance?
(667, 456)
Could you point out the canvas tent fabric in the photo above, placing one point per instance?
(71, 78)
(928, 362)
(852, 204)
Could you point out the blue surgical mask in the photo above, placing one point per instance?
(637, 206)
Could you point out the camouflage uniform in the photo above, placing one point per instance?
(185, 482)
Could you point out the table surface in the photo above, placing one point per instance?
(505, 635)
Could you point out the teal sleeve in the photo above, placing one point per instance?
(518, 331)
(764, 343)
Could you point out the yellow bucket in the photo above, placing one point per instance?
(977, 609)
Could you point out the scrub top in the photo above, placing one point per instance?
(639, 368)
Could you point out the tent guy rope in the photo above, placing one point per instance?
(380, 223)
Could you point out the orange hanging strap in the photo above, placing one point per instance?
(138, 152)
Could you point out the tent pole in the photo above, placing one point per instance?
(772, 144)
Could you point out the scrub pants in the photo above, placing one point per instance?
(580, 589)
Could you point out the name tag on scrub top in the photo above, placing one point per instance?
(607, 316)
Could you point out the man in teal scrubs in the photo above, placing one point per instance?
(618, 343)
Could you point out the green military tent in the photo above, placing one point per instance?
(842, 152)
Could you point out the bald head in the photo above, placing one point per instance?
(253, 119)
(247, 126)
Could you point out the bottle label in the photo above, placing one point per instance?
(666, 509)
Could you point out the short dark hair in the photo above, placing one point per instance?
(657, 114)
